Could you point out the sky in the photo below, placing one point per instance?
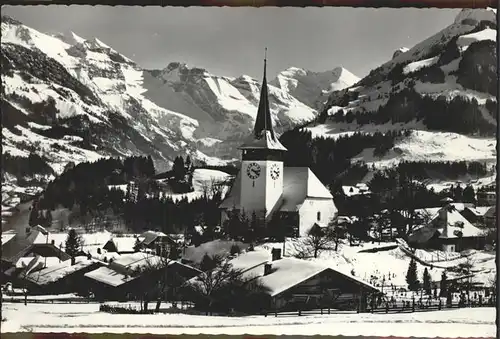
(231, 41)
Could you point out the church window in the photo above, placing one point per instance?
(318, 216)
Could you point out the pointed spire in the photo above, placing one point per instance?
(263, 121)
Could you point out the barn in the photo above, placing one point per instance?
(130, 276)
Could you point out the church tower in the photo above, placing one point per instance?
(261, 162)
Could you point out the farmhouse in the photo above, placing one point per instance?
(449, 231)
(122, 245)
(157, 241)
(131, 275)
(64, 277)
(264, 187)
(296, 284)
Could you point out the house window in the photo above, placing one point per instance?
(318, 216)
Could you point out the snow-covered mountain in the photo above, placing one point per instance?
(444, 88)
(68, 98)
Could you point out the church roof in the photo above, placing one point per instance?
(263, 136)
(299, 183)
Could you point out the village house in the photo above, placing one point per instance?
(267, 188)
(158, 242)
(290, 284)
(449, 231)
(130, 276)
(22, 252)
(65, 277)
(122, 245)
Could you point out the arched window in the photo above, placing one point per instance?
(318, 216)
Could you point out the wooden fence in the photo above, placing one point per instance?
(414, 307)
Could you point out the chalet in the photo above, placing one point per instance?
(157, 241)
(449, 231)
(122, 245)
(65, 277)
(131, 275)
(295, 284)
(266, 188)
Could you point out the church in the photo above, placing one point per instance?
(265, 187)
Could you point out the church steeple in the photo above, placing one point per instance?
(263, 136)
(263, 121)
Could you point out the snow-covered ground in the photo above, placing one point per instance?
(421, 145)
(204, 181)
(476, 322)
(390, 265)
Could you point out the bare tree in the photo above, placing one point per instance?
(320, 239)
(220, 282)
(158, 267)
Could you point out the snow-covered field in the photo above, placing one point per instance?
(421, 145)
(204, 181)
(476, 322)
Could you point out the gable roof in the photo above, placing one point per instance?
(56, 272)
(299, 183)
(151, 236)
(289, 272)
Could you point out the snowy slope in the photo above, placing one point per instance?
(439, 69)
(312, 87)
(89, 90)
(226, 107)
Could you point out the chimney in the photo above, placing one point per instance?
(267, 268)
(73, 261)
(276, 253)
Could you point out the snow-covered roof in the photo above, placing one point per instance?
(456, 223)
(289, 272)
(45, 262)
(53, 273)
(449, 223)
(150, 236)
(7, 236)
(478, 211)
(121, 270)
(125, 244)
(355, 190)
(299, 183)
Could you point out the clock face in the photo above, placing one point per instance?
(275, 172)
(253, 170)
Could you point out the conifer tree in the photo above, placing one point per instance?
(411, 276)
(427, 282)
(73, 243)
(469, 195)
